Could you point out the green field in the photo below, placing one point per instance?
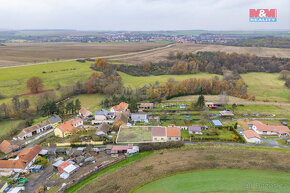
(224, 180)
(266, 86)
(90, 101)
(8, 125)
(139, 81)
(64, 73)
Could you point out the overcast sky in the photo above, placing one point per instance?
(139, 14)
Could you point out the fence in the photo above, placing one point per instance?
(79, 143)
(84, 176)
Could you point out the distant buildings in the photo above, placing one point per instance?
(139, 117)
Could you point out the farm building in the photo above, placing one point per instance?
(8, 146)
(251, 136)
(263, 129)
(34, 130)
(22, 162)
(54, 121)
(122, 107)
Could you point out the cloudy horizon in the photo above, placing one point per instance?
(140, 15)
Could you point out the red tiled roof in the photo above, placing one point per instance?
(75, 121)
(251, 134)
(121, 107)
(63, 165)
(263, 127)
(172, 132)
(24, 158)
(6, 146)
(67, 126)
(85, 112)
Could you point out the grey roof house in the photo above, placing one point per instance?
(54, 119)
(139, 117)
(195, 129)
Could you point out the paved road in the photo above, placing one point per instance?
(241, 144)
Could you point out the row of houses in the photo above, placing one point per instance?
(28, 132)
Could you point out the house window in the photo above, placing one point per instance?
(169, 138)
(162, 138)
(176, 138)
(155, 138)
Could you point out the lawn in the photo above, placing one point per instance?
(266, 86)
(185, 134)
(139, 81)
(134, 134)
(7, 125)
(224, 180)
(90, 101)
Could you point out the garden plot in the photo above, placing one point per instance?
(134, 135)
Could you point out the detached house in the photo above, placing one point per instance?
(263, 129)
(251, 136)
(122, 107)
(83, 112)
(173, 134)
(159, 134)
(68, 128)
(195, 129)
(33, 130)
(22, 162)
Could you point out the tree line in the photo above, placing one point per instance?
(210, 62)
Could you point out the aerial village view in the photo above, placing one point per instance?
(134, 103)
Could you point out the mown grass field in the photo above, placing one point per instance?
(90, 101)
(221, 181)
(8, 125)
(139, 81)
(266, 86)
(13, 80)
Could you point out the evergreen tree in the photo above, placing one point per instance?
(200, 102)
(77, 105)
